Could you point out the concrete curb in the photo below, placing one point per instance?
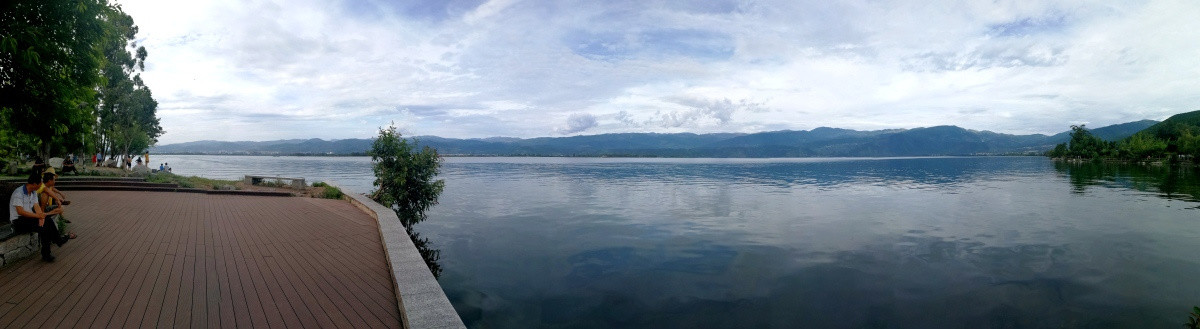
(168, 189)
(422, 302)
(84, 179)
(62, 183)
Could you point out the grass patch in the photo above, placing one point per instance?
(95, 173)
(328, 191)
(189, 181)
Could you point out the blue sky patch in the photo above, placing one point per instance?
(1028, 26)
(422, 10)
(698, 44)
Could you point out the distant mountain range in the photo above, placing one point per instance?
(819, 142)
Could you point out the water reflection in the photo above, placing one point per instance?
(783, 173)
(1171, 182)
(428, 253)
(895, 243)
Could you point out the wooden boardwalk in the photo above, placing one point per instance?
(178, 260)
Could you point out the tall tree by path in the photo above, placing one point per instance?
(69, 79)
(127, 112)
(49, 66)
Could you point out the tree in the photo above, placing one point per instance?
(1059, 151)
(1142, 145)
(68, 77)
(1085, 145)
(48, 67)
(404, 176)
(126, 114)
(1188, 143)
(404, 182)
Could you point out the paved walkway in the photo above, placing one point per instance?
(177, 260)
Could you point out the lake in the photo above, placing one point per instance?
(979, 242)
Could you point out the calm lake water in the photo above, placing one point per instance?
(1004, 242)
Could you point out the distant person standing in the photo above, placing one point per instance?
(147, 156)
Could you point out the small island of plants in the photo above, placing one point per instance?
(1173, 141)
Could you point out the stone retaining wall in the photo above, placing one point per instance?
(423, 304)
(17, 247)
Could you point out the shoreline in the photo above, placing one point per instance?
(610, 156)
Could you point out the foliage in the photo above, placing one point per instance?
(1141, 146)
(428, 253)
(1084, 145)
(127, 123)
(188, 181)
(404, 176)
(329, 191)
(404, 182)
(49, 54)
(1175, 139)
(1193, 319)
(65, 79)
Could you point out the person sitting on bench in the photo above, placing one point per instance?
(68, 166)
(51, 199)
(27, 216)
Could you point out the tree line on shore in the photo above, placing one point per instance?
(1176, 139)
(70, 81)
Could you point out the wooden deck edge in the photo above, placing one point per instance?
(169, 189)
(419, 297)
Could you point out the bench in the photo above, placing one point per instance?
(297, 183)
(14, 246)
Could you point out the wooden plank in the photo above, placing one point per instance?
(171, 301)
(191, 260)
(234, 309)
(144, 285)
(253, 286)
(303, 302)
(98, 269)
(292, 310)
(126, 289)
(160, 293)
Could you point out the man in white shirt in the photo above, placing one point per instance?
(27, 216)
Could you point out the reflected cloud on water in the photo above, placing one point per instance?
(825, 173)
(908, 243)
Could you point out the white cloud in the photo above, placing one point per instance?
(577, 122)
(259, 70)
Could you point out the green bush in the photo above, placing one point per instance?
(188, 181)
(405, 176)
(1193, 319)
(332, 192)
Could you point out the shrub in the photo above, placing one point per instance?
(329, 191)
(404, 176)
(332, 192)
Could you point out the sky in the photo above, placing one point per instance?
(266, 70)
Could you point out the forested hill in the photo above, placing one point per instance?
(819, 142)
